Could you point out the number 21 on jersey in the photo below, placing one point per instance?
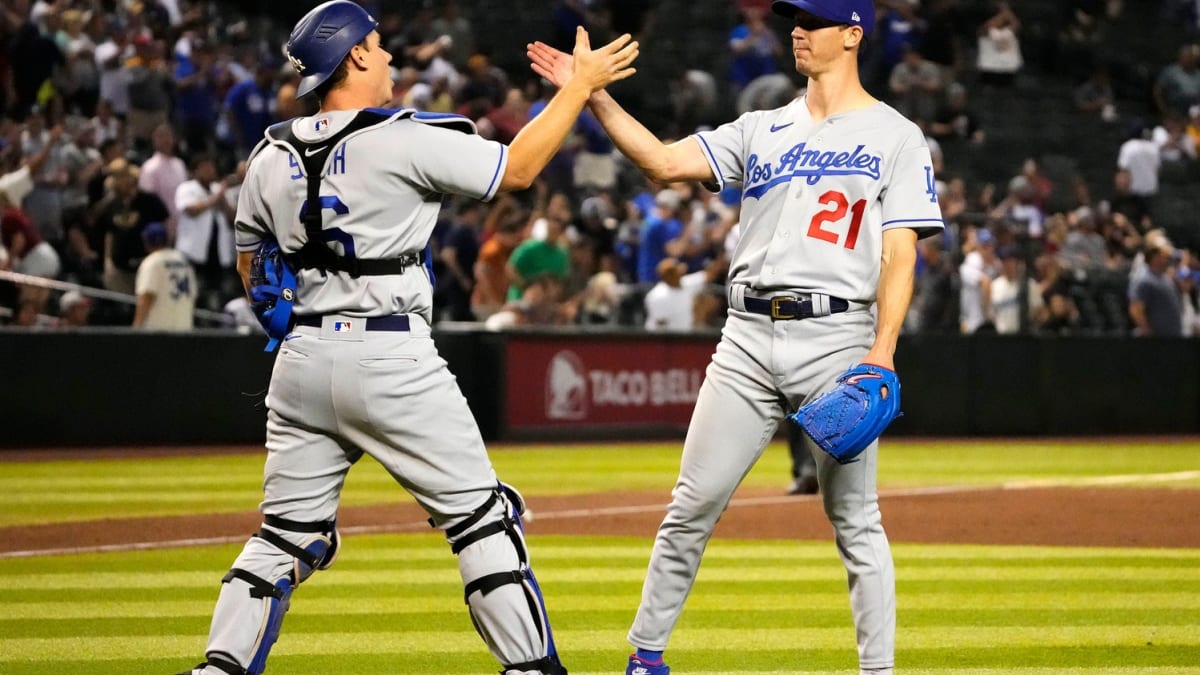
(836, 207)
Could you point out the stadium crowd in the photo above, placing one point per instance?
(126, 125)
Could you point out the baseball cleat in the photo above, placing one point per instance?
(639, 667)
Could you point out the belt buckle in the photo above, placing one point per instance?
(776, 312)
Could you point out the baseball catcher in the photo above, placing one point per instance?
(845, 419)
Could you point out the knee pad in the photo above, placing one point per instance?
(501, 593)
(279, 557)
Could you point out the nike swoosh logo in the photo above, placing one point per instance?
(777, 127)
(309, 152)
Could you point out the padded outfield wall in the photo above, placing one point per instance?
(113, 388)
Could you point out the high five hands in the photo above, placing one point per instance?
(597, 68)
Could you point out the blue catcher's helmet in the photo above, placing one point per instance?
(321, 40)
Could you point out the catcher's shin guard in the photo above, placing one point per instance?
(257, 591)
(501, 593)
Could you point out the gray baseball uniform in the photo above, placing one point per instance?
(360, 374)
(817, 197)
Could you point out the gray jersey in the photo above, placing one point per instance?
(818, 196)
(381, 193)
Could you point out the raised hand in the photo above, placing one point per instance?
(550, 63)
(595, 68)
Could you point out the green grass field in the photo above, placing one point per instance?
(393, 603)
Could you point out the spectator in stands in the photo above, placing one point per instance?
(595, 163)
(916, 85)
(901, 31)
(1020, 207)
(250, 107)
(74, 309)
(122, 215)
(1122, 239)
(597, 304)
(196, 77)
(453, 24)
(166, 284)
(1175, 146)
(1189, 291)
(459, 253)
(484, 82)
(1139, 155)
(80, 81)
(1155, 302)
(1006, 294)
(502, 123)
(205, 233)
(954, 120)
(978, 269)
(150, 82)
(543, 254)
(1177, 87)
(111, 56)
(44, 204)
(933, 305)
(998, 47)
(541, 304)
(107, 126)
(674, 303)
(1095, 96)
(1081, 35)
(1193, 125)
(1060, 314)
(942, 42)
(694, 99)
(164, 172)
(27, 252)
(660, 229)
(490, 290)
(1124, 201)
(1085, 249)
(40, 60)
(753, 46)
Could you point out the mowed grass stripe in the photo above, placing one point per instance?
(686, 639)
(59, 488)
(1163, 607)
(314, 618)
(1186, 578)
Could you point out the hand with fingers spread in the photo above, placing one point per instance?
(597, 68)
(554, 65)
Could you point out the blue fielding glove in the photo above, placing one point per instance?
(844, 420)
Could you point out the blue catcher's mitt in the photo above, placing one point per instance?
(845, 419)
(272, 291)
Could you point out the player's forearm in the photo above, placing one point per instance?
(537, 142)
(894, 294)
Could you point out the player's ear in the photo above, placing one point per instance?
(852, 36)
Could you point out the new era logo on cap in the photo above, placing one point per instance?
(849, 12)
(342, 326)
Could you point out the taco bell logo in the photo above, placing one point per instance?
(566, 387)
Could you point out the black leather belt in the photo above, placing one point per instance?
(784, 307)
(395, 322)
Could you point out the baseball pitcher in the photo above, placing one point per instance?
(332, 228)
(837, 188)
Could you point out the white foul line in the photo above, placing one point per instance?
(628, 510)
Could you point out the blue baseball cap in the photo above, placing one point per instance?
(155, 234)
(859, 13)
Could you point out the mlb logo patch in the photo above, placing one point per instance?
(322, 124)
(342, 326)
